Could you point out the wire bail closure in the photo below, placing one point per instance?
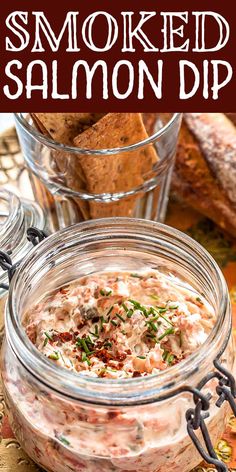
(35, 236)
(195, 417)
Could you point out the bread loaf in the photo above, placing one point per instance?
(204, 174)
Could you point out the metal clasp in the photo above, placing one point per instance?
(35, 236)
(195, 417)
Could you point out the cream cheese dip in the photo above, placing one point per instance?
(119, 324)
(110, 328)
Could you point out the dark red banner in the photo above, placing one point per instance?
(117, 56)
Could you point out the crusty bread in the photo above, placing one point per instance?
(193, 178)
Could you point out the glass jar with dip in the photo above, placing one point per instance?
(70, 420)
(16, 215)
(121, 166)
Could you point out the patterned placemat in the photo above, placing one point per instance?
(222, 248)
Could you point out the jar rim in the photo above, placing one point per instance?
(72, 149)
(90, 389)
(22, 213)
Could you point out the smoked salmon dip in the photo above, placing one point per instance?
(111, 326)
(119, 325)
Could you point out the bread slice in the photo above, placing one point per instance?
(116, 173)
(216, 137)
(193, 179)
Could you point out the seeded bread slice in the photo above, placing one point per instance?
(117, 173)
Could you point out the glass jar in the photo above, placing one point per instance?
(114, 425)
(74, 184)
(15, 217)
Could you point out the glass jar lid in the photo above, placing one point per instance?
(16, 215)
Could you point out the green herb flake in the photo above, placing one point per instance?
(136, 276)
(152, 336)
(85, 358)
(154, 297)
(152, 326)
(139, 307)
(105, 293)
(130, 313)
(48, 337)
(198, 299)
(84, 346)
(161, 316)
(64, 440)
(54, 356)
(166, 333)
(120, 317)
(141, 357)
(168, 357)
(125, 307)
(101, 321)
(114, 323)
(110, 310)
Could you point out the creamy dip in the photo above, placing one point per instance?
(119, 324)
(115, 325)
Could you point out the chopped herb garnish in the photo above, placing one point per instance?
(107, 344)
(105, 293)
(54, 356)
(101, 321)
(174, 307)
(125, 307)
(152, 336)
(94, 334)
(138, 306)
(84, 345)
(155, 318)
(114, 323)
(152, 326)
(130, 313)
(85, 358)
(89, 340)
(168, 357)
(163, 317)
(110, 310)
(64, 440)
(166, 333)
(123, 332)
(120, 317)
(141, 357)
(137, 276)
(164, 355)
(47, 338)
(161, 309)
(48, 335)
(199, 300)
(154, 297)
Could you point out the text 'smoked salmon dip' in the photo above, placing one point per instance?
(120, 324)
